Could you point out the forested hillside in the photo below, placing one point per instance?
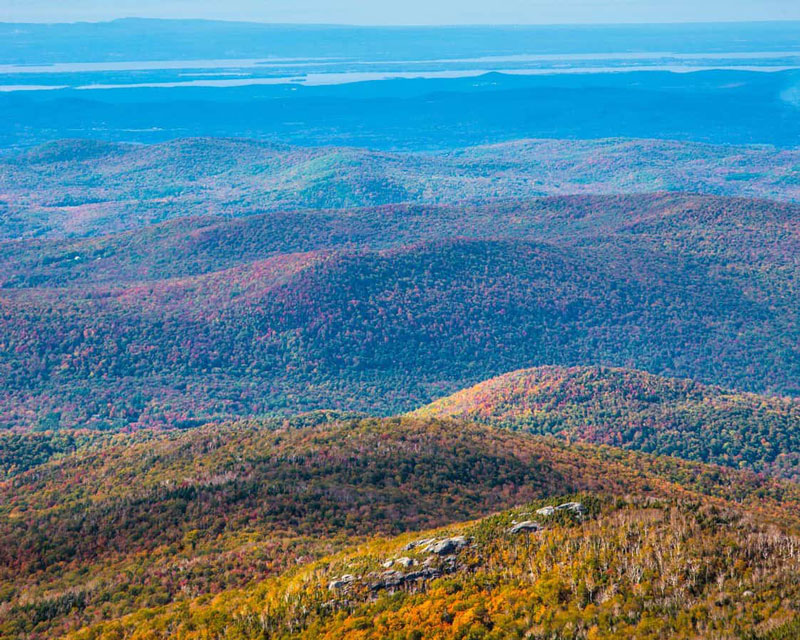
(622, 568)
(202, 319)
(147, 520)
(193, 246)
(637, 410)
(80, 188)
(314, 332)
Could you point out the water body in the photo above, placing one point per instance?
(331, 71)
(398, 88)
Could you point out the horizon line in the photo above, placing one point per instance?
(776, 21)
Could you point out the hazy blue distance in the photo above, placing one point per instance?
(408, 12)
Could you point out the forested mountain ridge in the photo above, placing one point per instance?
(637, 410)
(145, 521)
(79, 188)
(201, 319)
(615, 569)
(744, 229)
(379, 330)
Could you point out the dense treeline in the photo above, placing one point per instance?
(631, 568)
(22, 451)
(390, 330)
(640, 411)
(141, 522)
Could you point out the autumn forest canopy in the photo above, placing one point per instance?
(338, 332)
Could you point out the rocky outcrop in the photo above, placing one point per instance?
(418, 543)
(443, 547)
(576, 508)
(341, 582)
(446, 547)
(528, 526)
(397, 579)
(404, 562)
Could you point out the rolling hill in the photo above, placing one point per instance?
(627, 568)
(151, 519)
(639, 411)
(87, 188)
(740, 230)
(691, 292)
(261, 308)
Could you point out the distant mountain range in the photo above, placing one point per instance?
(727, 106)
(386, 309)
(153, 39)
(78, 188)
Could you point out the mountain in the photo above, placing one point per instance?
(617, 569)
(637, 410)
(263, 307)
(339, 325)
(190, 246)
(150, 519)
(80, 188)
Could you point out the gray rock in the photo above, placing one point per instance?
(397, 579)
(341, 582)
(574, 507)
(529, 526)
(447, 546)
(403, 562)
(418, 543)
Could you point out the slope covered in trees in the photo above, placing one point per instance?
(697, 294)
(193, 246)
(148, 520)
(640, 411)
(80, 188)
(628, 568)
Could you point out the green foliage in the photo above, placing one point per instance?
(640, 411)
(631, 568)
(139, 522)
(22, 451)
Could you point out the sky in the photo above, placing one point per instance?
(406, 12)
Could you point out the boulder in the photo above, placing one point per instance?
(403, 562)
(446, 547)
(418, 543)
(397, 579)
(340, 582)
(573, 507)
(529, 526)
